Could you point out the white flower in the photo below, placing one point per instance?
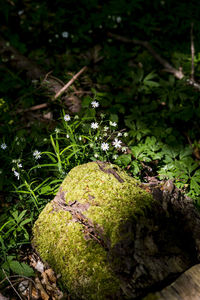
(67, 136)
(19, 165)
(114, 124)
(34, 81)
(94, 125)
(96, 155)
(80, 138)
(118, 19)
(115, 156)
(117, 143)
(16, 174)
(95, 104)
(125, 134)
(3, 146)
(119, 134)
(65, 34)
(67, 118)
(104, 146)
(91, 145)
(105, 128)
(20, 12)
(124, 149)
(37, 154)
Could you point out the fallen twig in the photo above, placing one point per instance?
(18, 276)
(32, 108)
(65, 87)
(12, 285)
(82, 92)
(192, 52)
(52, 85)
(168, 67)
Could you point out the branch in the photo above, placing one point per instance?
(12, 285)
(32, 108)
(168, 67)
(65, 87)
(192, 51)
(52, 85)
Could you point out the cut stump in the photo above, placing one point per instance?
(112, 237)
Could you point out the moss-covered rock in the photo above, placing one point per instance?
(85, 231)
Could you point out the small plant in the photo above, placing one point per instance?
(36, 176)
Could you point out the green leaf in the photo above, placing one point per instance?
(124, 159)
(22, 215)
(21, 268)
(45, 189)
(114, 118)
(185, 152)
(195, 185)
(136, 167)
(151, 83)
(25, 222)
(86, 102)
(149, 76)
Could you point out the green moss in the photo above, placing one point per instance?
(111, 201)
(82, 264)
(60, 240)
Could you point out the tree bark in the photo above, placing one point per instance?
(185, 287)
(166, 243)
(155, 246)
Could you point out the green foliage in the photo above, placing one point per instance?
(161, 114)
(16, 267)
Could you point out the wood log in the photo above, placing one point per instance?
(156, 243)
(185, 287)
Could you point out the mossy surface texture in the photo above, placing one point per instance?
(76, 242)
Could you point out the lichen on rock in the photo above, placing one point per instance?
(84, 233)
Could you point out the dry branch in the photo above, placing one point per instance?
(65, 87)
(192, 52)
(52, 85)
(167, 66)
(12, 285)
(32, 108)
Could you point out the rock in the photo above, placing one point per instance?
(87, 233)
